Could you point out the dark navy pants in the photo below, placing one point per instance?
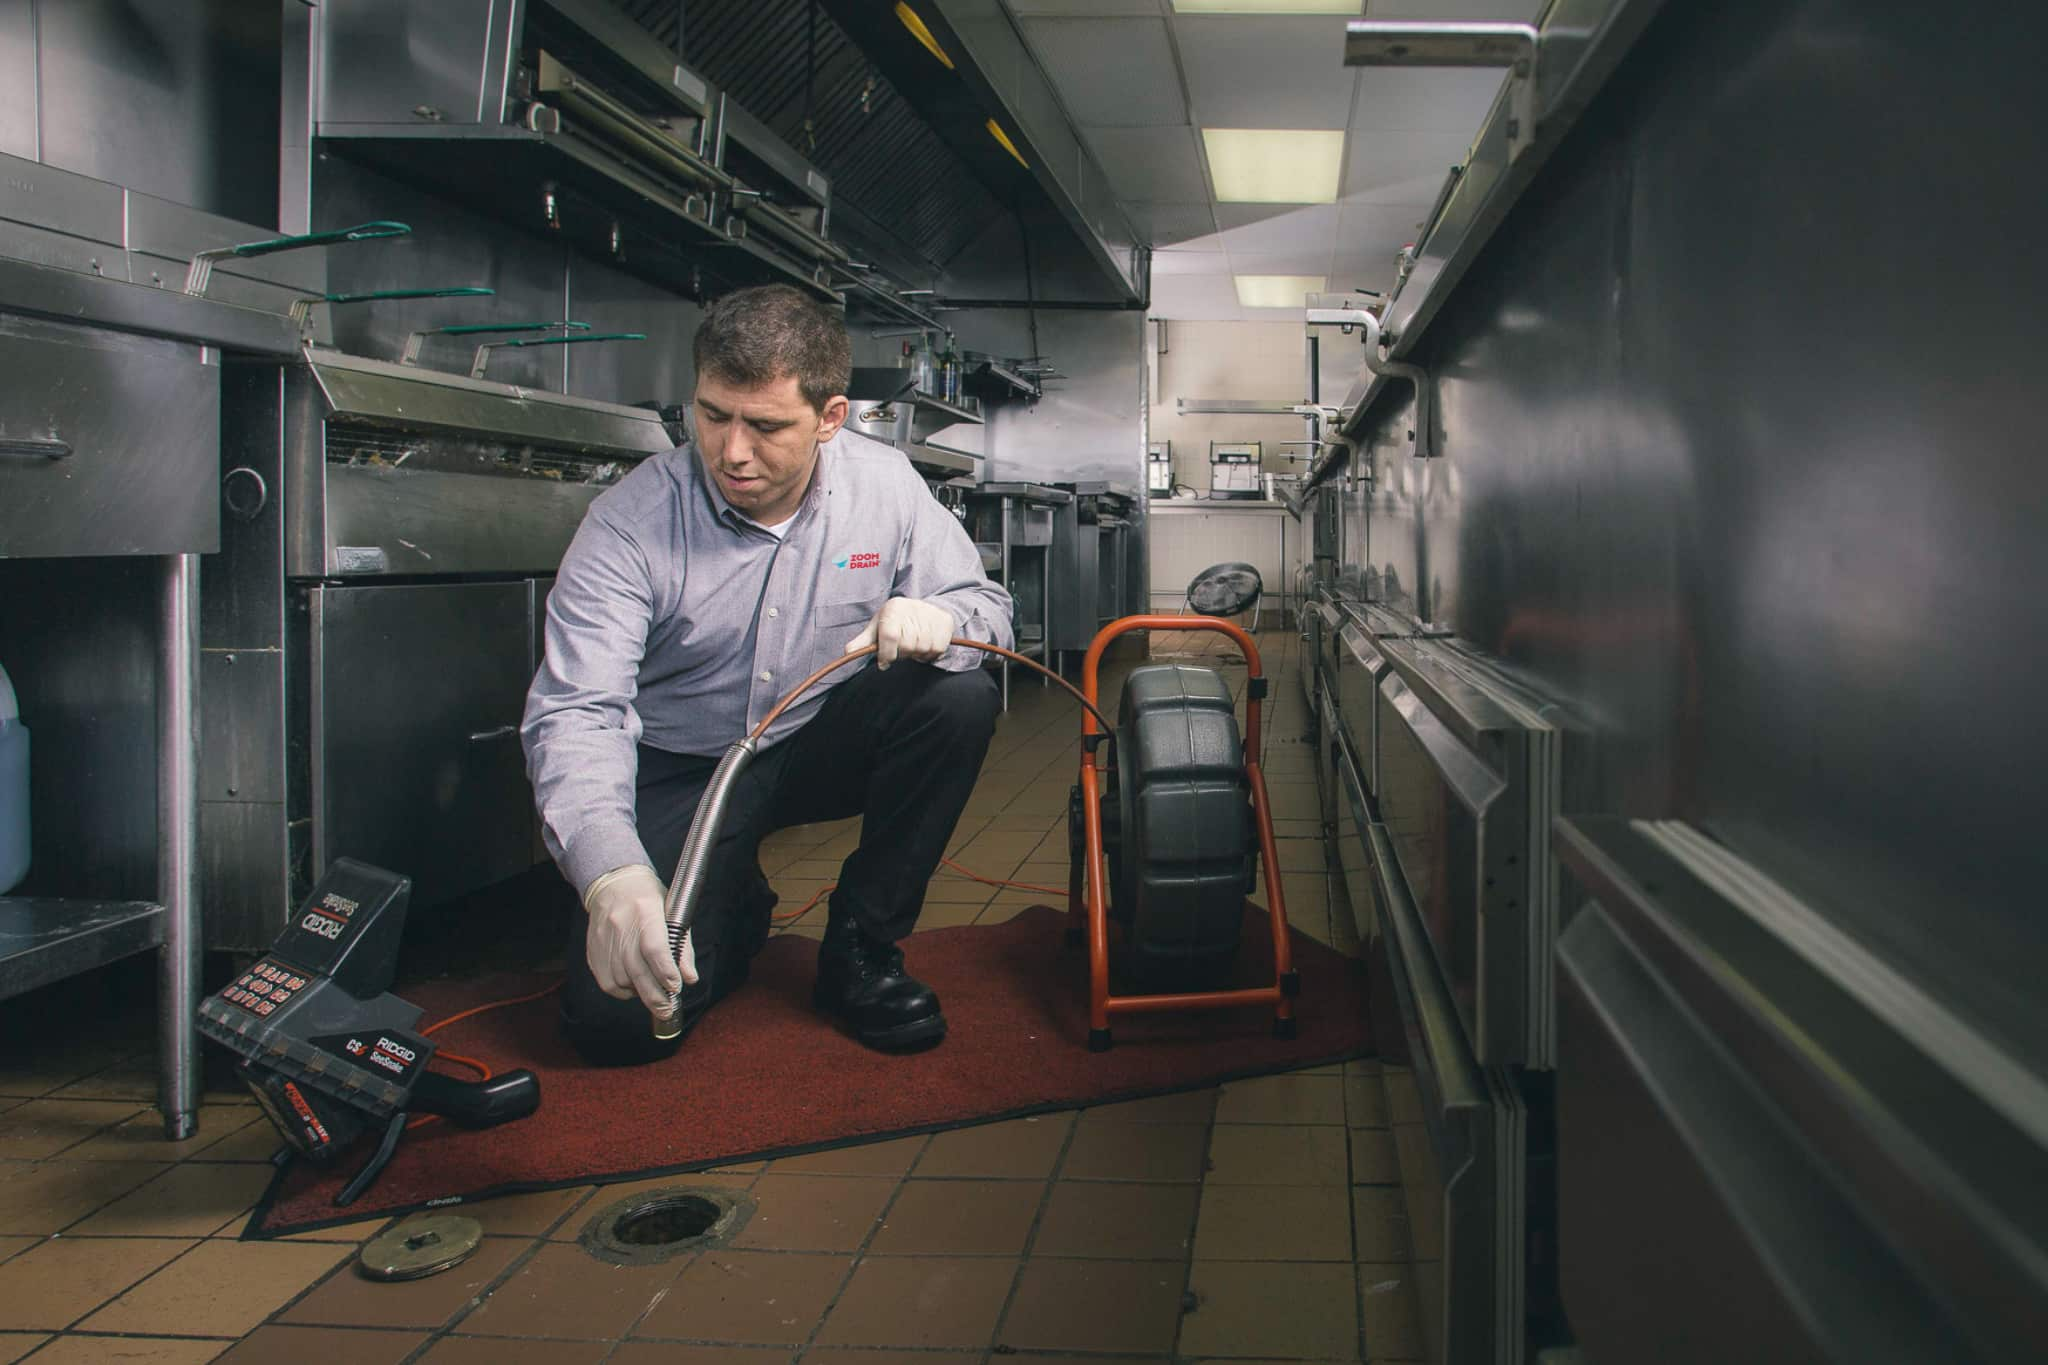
(900, 748)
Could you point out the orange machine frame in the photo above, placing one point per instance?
(1094, 902)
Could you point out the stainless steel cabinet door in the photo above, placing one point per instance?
(109, 443)
(416, 698)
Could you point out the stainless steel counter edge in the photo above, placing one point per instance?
(1189, 506)
(1580, 44)
(69, 296)
(1025, 492)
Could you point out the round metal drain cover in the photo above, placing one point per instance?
(419, 1247)
(655, 1225)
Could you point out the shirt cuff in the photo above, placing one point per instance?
(967, 625)
(597, 850)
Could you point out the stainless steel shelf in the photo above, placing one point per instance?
(943, 461)
(1270, 407)
(671, 230)
(931, 403)
(988, 379)
(44, 939)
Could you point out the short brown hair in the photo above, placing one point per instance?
(759, 335)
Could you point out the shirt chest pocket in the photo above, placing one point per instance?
(834, 624)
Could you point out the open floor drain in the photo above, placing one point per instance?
(655, 1225)
(668, 1220)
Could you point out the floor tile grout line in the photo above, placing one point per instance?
(1351, 1199)
(860, 1253)
(477, 1300)
(1187, 1284)
(1025, 1256)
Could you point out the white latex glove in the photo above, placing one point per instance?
(906, 628)
(627, 939)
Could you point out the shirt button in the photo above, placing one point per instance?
(766, 676)
(774, 612)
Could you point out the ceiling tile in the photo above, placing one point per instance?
(1194, 297)
(1314, 261)
(1182, 261)
(1085, 8)
(1171, 224)
(1517, 10)
(1451, 98)
(1365, 226)
(1150, 163)
(1266, 73)
(1296, 229)
(1353, 270)
(1380, 163)
(1111, 72)
(1422, 189)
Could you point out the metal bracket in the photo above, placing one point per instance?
(1419, 42)
(411, 354)
(1341, 310)
(1425, 388)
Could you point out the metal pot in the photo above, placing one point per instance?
(885, 422)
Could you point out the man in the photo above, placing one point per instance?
(701, 588)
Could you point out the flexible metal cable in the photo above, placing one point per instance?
(688, 883)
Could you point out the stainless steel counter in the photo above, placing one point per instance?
(1189, 506)
(1190, 534)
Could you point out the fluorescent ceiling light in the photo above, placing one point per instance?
(1275, 165)
(1278, 291)
(1268, 6)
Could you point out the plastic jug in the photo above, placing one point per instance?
(13, 790)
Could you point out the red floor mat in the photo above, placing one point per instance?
(765, 1074)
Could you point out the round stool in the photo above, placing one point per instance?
(1226, 590)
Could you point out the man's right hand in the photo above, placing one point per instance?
(627, 939)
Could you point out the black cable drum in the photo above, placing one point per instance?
(1179, 828)
(1225, 589)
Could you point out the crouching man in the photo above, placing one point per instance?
(700, 588)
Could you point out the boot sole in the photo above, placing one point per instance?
(902, 1037)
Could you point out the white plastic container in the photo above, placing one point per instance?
(13, 790)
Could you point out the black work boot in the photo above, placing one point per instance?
(861, 980)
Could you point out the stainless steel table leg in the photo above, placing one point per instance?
(1010, 587)
(1048, 658)
(177, 805)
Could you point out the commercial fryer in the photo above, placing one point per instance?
(388, 538)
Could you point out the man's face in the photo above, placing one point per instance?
(760, 444)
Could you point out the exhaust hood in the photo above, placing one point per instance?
(940, 166)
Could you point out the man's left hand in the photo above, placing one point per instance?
(906, 628)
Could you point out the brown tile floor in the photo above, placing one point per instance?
(1263, 1219)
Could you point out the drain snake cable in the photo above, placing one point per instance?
(684, 888)
(681, 902)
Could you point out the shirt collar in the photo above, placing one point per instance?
(820, 489)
